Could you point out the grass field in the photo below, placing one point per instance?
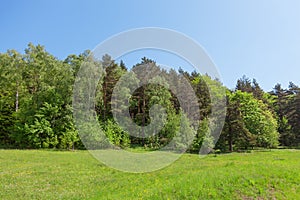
(42, 174)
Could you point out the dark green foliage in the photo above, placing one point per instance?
(287, 107)
(38, 98)
(36, 106)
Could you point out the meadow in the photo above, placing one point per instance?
(49, 174)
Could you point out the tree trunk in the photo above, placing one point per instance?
(230, 140)
(17, 99)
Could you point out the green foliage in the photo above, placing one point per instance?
(202, 136)
(116, 135)
(36, 108)
(258, 119)
(40, 134)
(184, 138)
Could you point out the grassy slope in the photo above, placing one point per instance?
(31, 174)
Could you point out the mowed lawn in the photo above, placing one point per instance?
(42, 174)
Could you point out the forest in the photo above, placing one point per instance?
(36, 91)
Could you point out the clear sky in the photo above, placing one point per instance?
(258, 38)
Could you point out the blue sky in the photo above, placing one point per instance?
(260, 39)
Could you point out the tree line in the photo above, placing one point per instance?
(36, 106)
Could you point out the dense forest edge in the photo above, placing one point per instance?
(36, 91)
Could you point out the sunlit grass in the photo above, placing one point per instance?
(41, 174)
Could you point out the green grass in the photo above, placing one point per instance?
(41, 174)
